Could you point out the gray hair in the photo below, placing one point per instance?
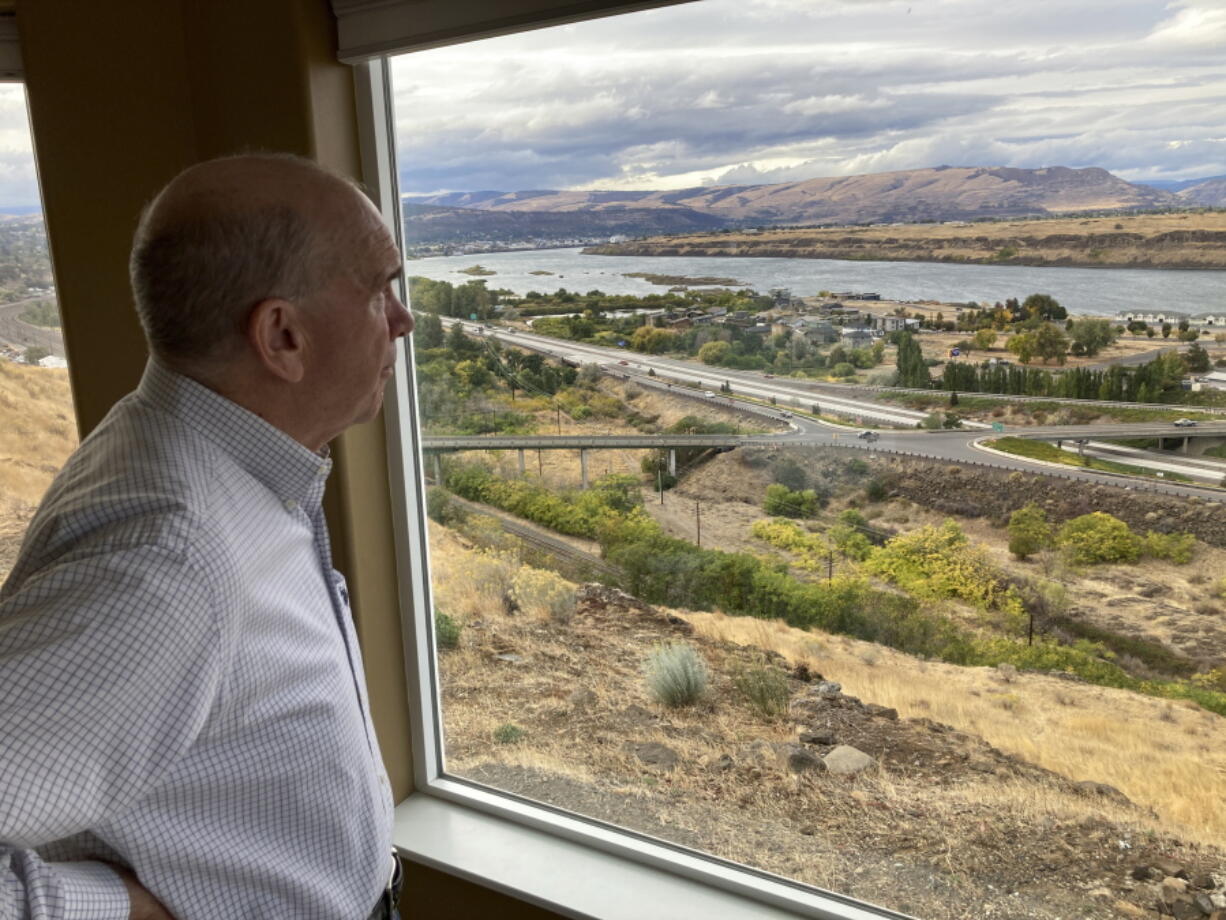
(197, 271)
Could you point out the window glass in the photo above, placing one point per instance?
(851, 382)
(37, 426)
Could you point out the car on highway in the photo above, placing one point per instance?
(623, 362)
(708, 394)
(1184, 423)
(768, 376)
(868, 435)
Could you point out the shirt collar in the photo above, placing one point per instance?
(290, 470)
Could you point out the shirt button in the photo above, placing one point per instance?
(290, 504)
(323, 470)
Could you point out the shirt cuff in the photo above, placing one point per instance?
(92, 891)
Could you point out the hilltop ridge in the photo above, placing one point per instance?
(940, 193)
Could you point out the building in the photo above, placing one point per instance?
(856, 338)
(892, 323)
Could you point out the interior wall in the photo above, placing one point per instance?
(123, 95)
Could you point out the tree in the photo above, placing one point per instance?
(428, 332)
(1166, 330)
(1029, 531)
(1188, 335)
(1092, 335)
(714, 352)
(1197, 359)
(1050, 342)
(35, 353)
(1043, 306)
(912, 371)
(1022, 344)
(984, 339)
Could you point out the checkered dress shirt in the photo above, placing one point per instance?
(181, 690)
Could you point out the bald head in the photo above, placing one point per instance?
(227, 234)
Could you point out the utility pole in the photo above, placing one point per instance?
(660, 483)
(830, 567)
(698, 523)
(558, 409)
(540, 465)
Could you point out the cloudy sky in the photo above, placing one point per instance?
(18, 182)
(752, 91)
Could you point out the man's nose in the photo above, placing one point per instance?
(402, 320)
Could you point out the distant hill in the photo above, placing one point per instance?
(1210, 193)
(428, 224)
(1177, 185)
(941, 193)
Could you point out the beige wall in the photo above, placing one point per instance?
(123, 95)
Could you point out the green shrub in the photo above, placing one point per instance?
(676, 674)
(782, 501)
(543, 593)
(507, 733)
(788, 472)
(1029, 531)
(446, 630)
(441, 508)
(1177, 547)
(876, 491)
(1098, 537)
(765, 688)
(843, 370)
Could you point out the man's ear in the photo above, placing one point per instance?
(277, 336)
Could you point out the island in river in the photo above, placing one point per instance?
(1180, 240)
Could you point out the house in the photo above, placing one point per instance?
(1216, 380)
(856, 337)
(892, 323)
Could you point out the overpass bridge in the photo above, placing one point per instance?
(434, 445)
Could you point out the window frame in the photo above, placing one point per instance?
(652, 873)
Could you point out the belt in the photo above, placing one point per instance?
(385, 907)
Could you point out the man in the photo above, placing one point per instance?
(183, 724)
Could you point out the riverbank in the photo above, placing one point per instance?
(1149, 241)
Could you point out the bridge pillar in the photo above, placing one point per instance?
(672, 461)
(521, 461)
(583, 467)
(438, 471)
(1186, 442)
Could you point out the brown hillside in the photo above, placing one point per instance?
(940, 193)
(1139, 241)
(555, 708)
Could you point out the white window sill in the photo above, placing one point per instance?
(574, 879)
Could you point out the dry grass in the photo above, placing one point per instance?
(1170, 757)
(37, 429)
(913, 834)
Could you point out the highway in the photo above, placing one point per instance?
(957, 445)
(22, 335)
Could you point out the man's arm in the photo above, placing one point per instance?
(31, 888)
(109, 666)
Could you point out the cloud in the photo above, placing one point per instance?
(18, 178)
(777, 90)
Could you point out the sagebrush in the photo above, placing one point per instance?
(676, 674)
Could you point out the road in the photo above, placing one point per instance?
(22, 335)
(958, 445)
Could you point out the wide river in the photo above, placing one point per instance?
(1103, 291)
